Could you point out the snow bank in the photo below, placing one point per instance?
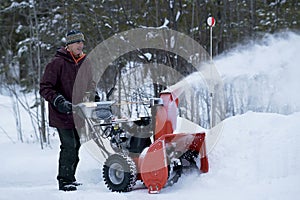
(257, 157)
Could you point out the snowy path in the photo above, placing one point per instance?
(257, 157)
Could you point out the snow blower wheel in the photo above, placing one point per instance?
(119, 173)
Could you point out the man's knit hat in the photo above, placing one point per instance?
(75, 36)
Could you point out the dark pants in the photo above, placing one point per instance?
(68, 157)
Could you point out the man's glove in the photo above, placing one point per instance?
(97, 97)
(62, 104)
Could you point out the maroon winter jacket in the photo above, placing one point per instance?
(59, 78)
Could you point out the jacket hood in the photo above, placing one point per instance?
(62, 52)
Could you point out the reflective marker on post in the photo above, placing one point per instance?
(211, 21)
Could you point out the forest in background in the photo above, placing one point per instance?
(32, 30)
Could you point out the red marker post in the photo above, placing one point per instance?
(211, 23)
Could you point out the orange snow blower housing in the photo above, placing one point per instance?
(164, 157)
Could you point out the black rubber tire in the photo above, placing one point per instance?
(119, 173)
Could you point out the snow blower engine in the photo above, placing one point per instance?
(157, 160)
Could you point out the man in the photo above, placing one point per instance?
(56, 87)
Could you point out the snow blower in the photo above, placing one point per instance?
(157, 160)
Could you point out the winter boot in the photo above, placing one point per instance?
(66, 186)
(75, 183)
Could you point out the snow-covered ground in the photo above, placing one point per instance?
(256, 157)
